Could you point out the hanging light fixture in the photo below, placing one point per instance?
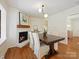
(41, 10)
(45, 15)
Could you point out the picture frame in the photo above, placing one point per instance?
(23, 19)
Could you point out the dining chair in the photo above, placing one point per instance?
(31, 40)
(39, 49)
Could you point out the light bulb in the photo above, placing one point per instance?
(40, 10)
(68, 25)
(45, 15)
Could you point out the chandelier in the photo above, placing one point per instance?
(41, 10)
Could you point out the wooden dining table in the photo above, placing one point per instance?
(50, 40)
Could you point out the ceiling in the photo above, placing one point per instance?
(52, 6)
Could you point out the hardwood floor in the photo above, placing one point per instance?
(70, 51)
(24, 52)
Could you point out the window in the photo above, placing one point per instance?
(2, 24)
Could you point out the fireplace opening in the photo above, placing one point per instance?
(23, 36)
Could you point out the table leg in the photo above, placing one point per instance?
(51, 51)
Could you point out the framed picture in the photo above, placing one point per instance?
(23, 36)
(23, 19)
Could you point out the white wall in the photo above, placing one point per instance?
(57, 23)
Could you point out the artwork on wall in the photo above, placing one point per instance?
(0, 23)
(23, 19)
(23, 36)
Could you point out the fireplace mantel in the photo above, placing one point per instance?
(23, 26)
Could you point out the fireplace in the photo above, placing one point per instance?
(23, 36)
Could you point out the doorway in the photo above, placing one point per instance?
(73, 26)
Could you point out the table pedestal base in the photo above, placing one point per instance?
(51, 52)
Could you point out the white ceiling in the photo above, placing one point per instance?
(52, 6)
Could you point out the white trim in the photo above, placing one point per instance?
(3, 24)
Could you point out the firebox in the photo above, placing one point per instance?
(23, 36)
